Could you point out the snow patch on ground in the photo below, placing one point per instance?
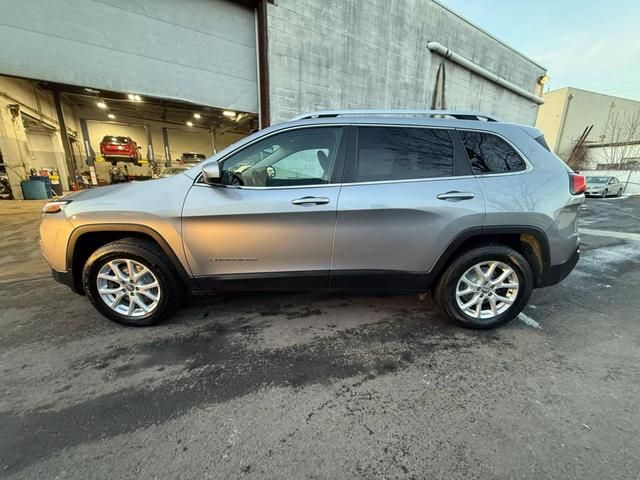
(527, 320)
(611, 233)
(605, 258)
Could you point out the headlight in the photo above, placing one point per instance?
(55, 207)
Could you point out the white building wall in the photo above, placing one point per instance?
(327, 54)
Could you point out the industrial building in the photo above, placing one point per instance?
(193, 77)
(607, 127)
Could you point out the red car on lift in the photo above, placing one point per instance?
(120, 149)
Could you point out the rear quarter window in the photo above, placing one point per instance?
(489, 153)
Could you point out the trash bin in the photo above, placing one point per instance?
(47, 183)
(34, 190)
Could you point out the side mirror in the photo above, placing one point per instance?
(211, 173)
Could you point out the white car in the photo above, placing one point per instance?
(604, 186)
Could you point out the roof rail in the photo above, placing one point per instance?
(413, 113)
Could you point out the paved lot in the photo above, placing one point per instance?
(324, 386)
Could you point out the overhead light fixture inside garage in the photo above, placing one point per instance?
(229, 113)
(197, 115)
(189, 124)
(111, 116)
(101, 104)
(134, 97)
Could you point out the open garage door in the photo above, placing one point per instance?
(200, 51)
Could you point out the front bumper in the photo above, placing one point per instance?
(556, 273)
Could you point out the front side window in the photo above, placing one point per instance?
(490, 154)
(402, 153)
(296, 157)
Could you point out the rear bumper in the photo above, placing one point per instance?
(118, 155)
(556, 273)
(66, 278)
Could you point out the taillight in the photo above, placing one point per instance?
(577, 183)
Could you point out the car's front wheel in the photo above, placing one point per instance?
(485, 287)
(131, 282)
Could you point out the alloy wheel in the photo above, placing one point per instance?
(487, 289)
(128, 287)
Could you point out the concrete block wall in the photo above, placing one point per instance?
(327, 54)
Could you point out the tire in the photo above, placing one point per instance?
(604, 194)
(142, 254)
(619, 193)
(451, 279)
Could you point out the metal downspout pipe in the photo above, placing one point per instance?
(483, 72)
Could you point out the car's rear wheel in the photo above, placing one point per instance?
(485, 287)
(131, 282)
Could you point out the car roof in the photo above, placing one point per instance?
(441, 118)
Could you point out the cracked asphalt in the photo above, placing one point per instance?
(318, 385)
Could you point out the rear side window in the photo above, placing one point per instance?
(490, 154)
(401, 153)
(110, 139)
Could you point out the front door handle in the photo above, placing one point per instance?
(310, 201)
(455, 196)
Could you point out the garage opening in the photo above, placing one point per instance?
(82, 137)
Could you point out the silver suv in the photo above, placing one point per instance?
(359, 200)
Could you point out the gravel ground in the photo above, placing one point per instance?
(294, 385)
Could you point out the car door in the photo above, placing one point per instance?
(407, 192)
(270, 224)
(613, 186)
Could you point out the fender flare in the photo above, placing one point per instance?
(124, 227)
(487, 231)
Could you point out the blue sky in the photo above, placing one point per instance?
(586, 44)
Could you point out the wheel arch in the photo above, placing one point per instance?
(85, 239)
(531, 242)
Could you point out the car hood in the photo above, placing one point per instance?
(163, 196)
(99, 192)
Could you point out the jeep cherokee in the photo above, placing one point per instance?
(478, 209)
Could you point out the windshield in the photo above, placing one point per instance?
(597, 179)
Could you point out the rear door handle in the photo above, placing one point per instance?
(455, 196)
(310, 201)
